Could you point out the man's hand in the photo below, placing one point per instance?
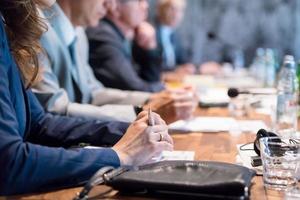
(174, 104)
(145, 36)
(179, 73)
(210, 68)
(186, 69)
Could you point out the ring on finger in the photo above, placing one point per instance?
(161, 137)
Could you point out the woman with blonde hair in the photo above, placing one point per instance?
(34, 144)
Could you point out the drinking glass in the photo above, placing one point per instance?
(281, 161)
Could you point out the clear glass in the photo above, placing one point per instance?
(281, 159)
(287, 99)
(239, 106)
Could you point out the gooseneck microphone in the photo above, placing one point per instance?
(234, 92)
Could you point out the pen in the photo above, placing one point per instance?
(150, 117)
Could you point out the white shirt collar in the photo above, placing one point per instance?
(61, 24)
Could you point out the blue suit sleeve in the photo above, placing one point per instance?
(57, 131)
(27, 167)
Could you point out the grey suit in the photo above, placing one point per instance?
(66, 91)
(111, 60)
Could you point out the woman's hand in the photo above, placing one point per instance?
(142, 142)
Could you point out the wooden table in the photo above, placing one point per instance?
(208, 146)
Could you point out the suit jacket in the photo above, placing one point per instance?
(66, 91)
(151, 69)
(111, 60)
(32, 158)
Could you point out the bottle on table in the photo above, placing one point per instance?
(270, 67)
(257, 68)
(287, 99)
(298, 76)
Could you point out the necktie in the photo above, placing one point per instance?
(168, 49)
(78, 75)
(72, 50)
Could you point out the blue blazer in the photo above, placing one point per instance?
(33, 144)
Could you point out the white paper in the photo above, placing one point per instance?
(244, 157)
(200, 80)
(214, 96)
(175, 155)
(263, 91)
(217, 124)
(205, 124)
(238, 82)
(251, 125)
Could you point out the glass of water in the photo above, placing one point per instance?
(281, 162)
(239, 106)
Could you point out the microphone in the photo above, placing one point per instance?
(234, 92)
(212, 36)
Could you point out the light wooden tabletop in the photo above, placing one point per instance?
(208, 146)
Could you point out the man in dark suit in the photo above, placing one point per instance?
(110, 48)
(174, 62)
(111, 60)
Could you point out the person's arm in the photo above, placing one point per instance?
(150, 62)
(100, 94)
(114, 69)
(55, 99)
(147, 52)
(28, 167)
(116, 96)
(52, 130)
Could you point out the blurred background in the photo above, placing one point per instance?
(215, 29)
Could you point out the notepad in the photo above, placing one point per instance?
(217, 124)
(244, 157)
(214, 96)
(175, 155)
(205, 124)
(251, 125)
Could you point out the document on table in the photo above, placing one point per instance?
(205, 124)
(214, 96)
(175, 155)
(244, 157)
(217, 124)
(165, 155)
(200, 80)
(251, 125)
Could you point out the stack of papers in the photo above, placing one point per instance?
(217, 124)
(251, 125)
(206, 81)
(238, 82)
(214, 96)
(244, 157)
(204, 124)
(175, 155)
(165, 155)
